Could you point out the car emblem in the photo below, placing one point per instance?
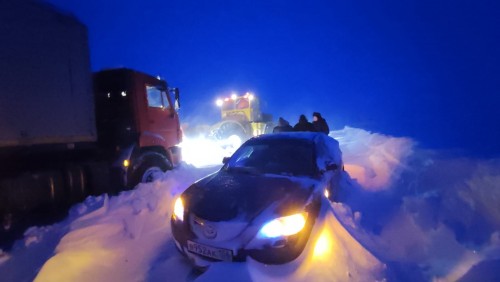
(209, 231)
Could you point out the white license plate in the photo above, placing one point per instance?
(211, 252)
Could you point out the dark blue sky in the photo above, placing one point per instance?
(429, 70)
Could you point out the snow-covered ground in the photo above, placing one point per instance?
(406, 215)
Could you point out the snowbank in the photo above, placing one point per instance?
(422, 216)
(374, 160)
(428, 216)
(104, 238)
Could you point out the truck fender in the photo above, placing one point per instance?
(149, 138)
(125, 154)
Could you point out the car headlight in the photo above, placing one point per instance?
(179, 209)
(284, 226)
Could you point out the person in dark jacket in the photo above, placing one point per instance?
(283, 126)
(303, 125)
(320, 124)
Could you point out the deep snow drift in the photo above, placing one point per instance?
(407, 214)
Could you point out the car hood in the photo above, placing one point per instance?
(228, 196)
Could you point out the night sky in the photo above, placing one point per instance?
(429, 70)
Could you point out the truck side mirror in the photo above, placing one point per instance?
(177, 98)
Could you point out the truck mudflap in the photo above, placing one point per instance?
(118, 179)
(120, 167)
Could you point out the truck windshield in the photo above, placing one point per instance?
(239, 104)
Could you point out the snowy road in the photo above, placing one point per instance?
(394, 221)
(127, 238)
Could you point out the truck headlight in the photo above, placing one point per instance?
(179, 209)
(283, 226)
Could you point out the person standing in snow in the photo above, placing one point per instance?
(320, 124)
(303, 124)
(283, 126)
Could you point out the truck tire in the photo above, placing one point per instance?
(76, 183)
(225, 129)
(150, 167)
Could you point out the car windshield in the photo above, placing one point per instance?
(283, 157)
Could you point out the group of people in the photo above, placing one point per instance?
(318, 125)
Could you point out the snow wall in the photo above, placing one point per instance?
(407, 213)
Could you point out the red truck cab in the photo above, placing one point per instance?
(136, 116)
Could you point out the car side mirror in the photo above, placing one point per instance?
(225, 160)
(331, 167)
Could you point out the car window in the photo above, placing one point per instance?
(244, 155)
(284, 158)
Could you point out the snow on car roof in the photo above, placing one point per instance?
(327, 148)
(312, 136)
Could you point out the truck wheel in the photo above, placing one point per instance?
(151, 168)
(151, 174)
(225, 129)
(76, 183)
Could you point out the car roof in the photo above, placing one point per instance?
(327, 148)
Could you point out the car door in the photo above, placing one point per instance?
(330, 156)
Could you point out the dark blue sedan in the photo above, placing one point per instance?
(262, 203)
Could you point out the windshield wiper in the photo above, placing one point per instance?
(244, 169)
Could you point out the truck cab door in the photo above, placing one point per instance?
(162, 126)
